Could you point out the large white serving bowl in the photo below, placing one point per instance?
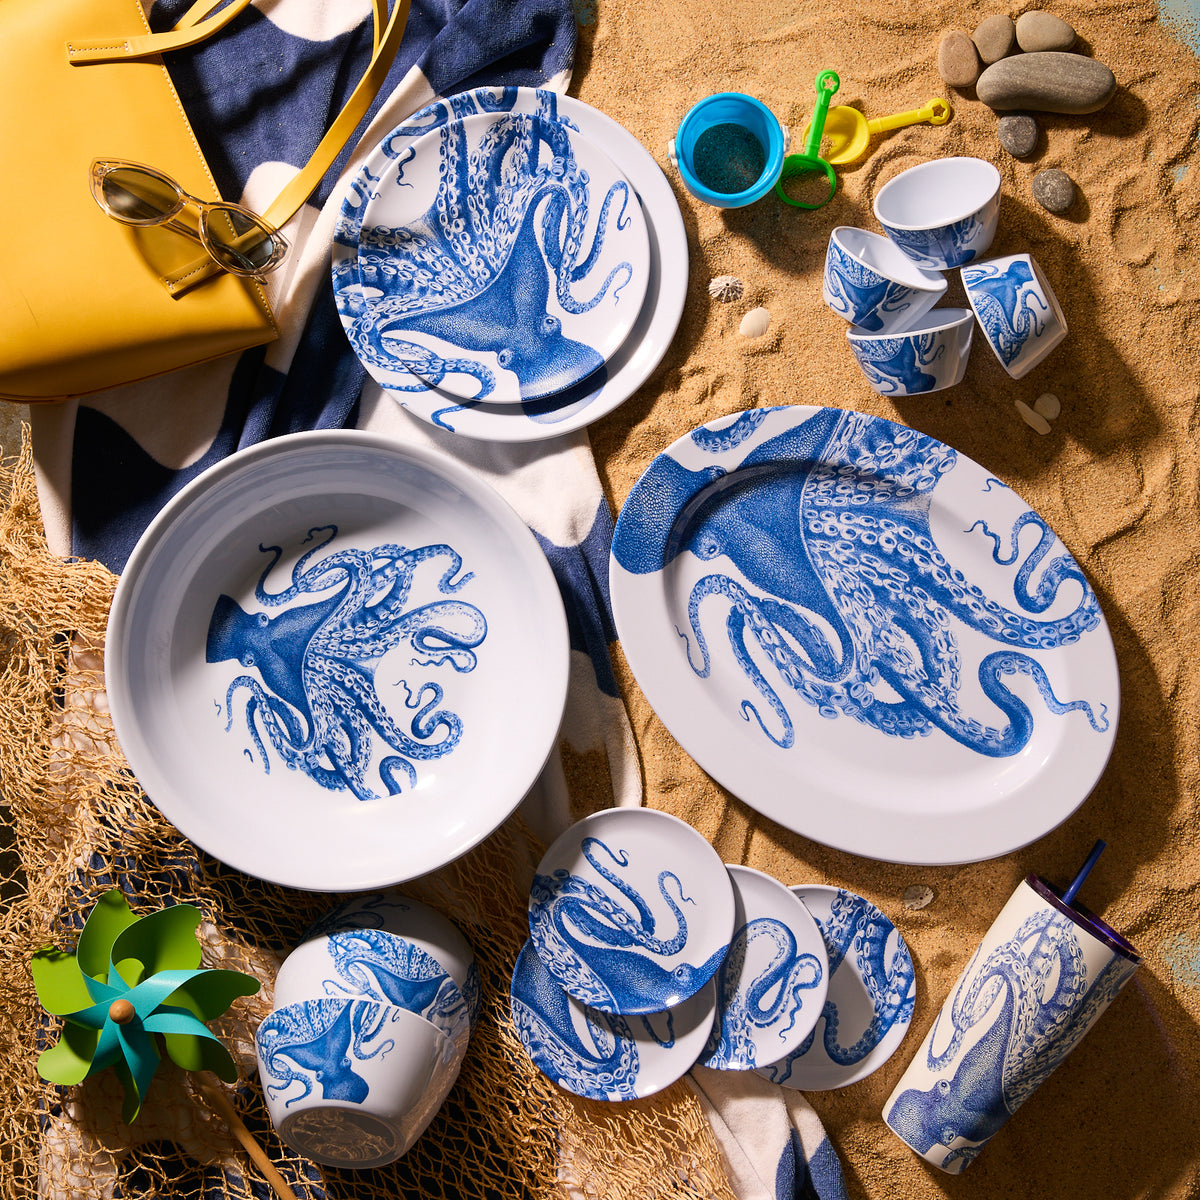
(337, 662)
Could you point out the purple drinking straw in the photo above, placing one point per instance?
(1069, 895)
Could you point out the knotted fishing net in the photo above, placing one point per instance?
(77, 824)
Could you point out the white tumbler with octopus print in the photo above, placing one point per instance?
(1043, 974)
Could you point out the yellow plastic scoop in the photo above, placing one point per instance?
(849, 131)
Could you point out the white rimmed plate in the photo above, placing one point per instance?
(627, 368)
(336, 662)
(605, 1056)
(864, 635)
(771, 987)
(510, 254)
(631, 910)
(872, 991)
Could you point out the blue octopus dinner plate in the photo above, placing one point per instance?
(864, 635)
(336, 662)
(771, 987)
(872, 991)
(605, 1056)
(513, 257)
(631, 911)
(365, 276)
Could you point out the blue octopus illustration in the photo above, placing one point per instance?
(952, 244)
(846, 596)
(1032, 995)
(1004, 304)
(861, 295)
(896, 366)
(313, 697)
(319, 1042)
(772, 999)
(377, 966)
(608, 957)
(370, 915)
(604, 1065)
(509, 225)
(857, 932)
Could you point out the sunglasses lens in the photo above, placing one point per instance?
(240, 242)
(139, 197)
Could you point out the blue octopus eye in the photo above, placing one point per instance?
(504, 357)
(247, 659)
(551, 324)
(948, 1135)
(263, 620)
(943, 1086)
(707, 546)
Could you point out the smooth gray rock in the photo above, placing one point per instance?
(1047, 81)
(1053, 190)
(957, 59)
(1017, 133)
(1038, 31)
(994, 38)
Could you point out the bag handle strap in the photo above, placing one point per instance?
(197, 24)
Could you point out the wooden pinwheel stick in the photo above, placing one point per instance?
(220, 1102)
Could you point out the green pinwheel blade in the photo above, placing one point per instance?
(59, 981)
(69, 1060)
(210, 993)
(162, 941)
(201, 1054)
(107, 920)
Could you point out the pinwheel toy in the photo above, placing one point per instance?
(133, 985)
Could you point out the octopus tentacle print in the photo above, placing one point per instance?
(590, 938)
(313, 697)
(318, 1042)
(774, 995)
(1032, 999)
(830, 585)
(514, 223)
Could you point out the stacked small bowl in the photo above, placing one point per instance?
(373, 1012)
(938, 216)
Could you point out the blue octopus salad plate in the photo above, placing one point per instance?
(366, 277)
(511, 254)
(872, 991)
(864, 635)
(337, 662)
(772, 984)
(631, 911)
(605, 1056)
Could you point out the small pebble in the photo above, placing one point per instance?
(1047, 81)
(754, 323)
(1043, 31)
(957, 59)
(1017, 133)
(1053, 190)
(917, 896)
(994, 38)
(726, 288)
(1048, 405)
(1034, 419)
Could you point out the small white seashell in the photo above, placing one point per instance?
(1048, 404)
(917, 896)
(1035, 419)
(754, 323)
(726, 288)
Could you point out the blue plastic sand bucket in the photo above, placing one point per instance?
(729, 150)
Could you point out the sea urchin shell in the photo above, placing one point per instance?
(726, 288)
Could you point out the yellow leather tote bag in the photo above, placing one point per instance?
(88, 303)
